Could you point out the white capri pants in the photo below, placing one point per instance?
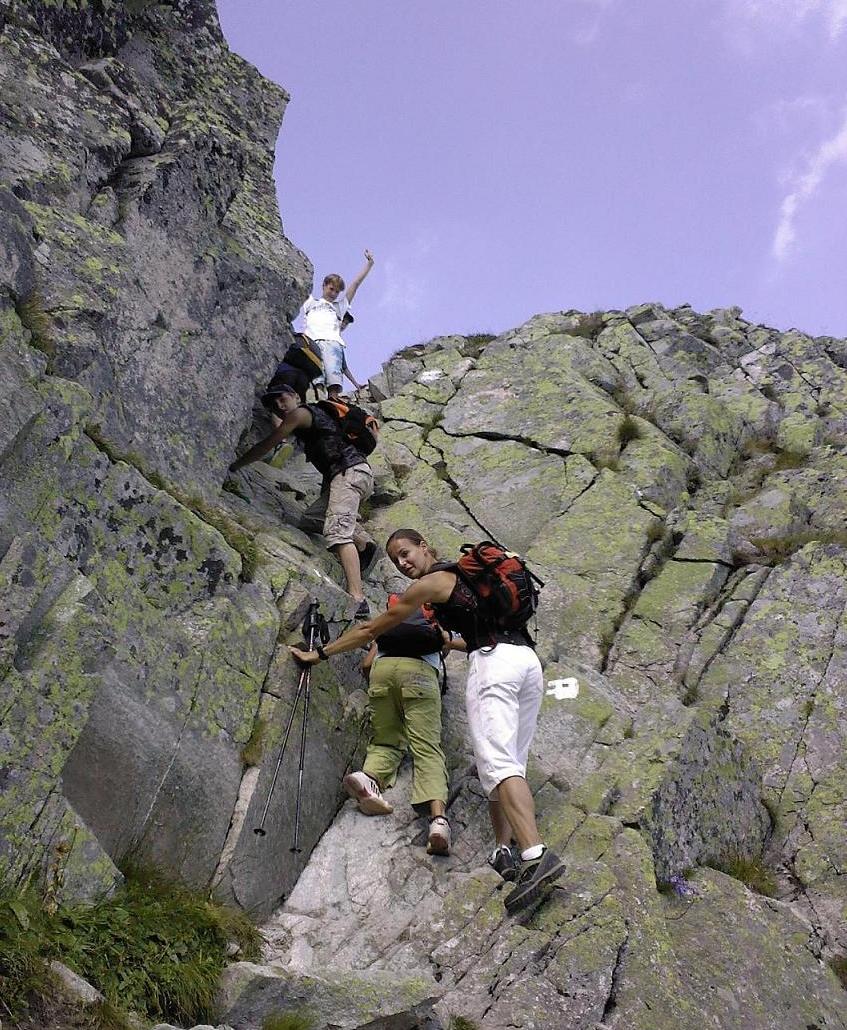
(503, 695)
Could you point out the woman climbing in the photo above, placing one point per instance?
(504, 690)
(405, 702)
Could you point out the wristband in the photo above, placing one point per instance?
(324, 657)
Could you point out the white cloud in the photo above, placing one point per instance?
(803, 114)
(402, 290)
(787, 14)
(805, 186)
(404, 276)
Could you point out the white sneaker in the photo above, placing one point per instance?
(366, 793)
(438, 842)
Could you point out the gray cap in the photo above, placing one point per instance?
(274, 390)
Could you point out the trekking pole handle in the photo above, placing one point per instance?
(311, 624)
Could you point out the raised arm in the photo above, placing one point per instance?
(357, 282)
(435, 587)
(296, 419)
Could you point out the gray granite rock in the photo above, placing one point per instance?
(677, 478)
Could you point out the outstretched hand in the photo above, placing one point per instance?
(369, 256)
(304, 657)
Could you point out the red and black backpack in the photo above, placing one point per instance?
(507, 591)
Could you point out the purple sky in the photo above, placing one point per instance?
(503, 159)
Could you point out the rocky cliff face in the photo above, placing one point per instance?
(145, 288)
(677, 479)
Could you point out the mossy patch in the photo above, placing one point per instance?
(254, 749)
(839, 966)
(288, 1021)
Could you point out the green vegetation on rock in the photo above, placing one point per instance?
(253, 750)
(288, 1021)
(154, 947)
(751, 871)
(839, 966)
(460, 1023)
(34, 317)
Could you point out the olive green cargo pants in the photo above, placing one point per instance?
(405, 702)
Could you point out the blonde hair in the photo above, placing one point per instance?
(334, 280)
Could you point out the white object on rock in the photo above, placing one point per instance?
(564, 689)
(430, 375)
(203, 1026)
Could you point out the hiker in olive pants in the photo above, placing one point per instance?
(405, 700)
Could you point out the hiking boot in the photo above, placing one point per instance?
(438, 842)
(363, 612)
(503, 861)
(367, 557)
(534, 876)
(366, 793)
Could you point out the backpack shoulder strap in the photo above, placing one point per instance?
(444, 566)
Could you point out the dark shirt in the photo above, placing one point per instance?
(325, 447)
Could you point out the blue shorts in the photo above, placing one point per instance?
(332, 354)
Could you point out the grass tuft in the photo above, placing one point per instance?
(34, 317)
(476, 342)
(154, 947)
(23, 971)
(752, 872)
(655, 531)
(776, 549)
(461, 1023)
(604, 461)
(690, 695)
(627, 431)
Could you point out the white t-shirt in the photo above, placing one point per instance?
(322, 318)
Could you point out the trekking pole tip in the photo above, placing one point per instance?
(260, 832)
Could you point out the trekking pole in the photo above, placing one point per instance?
(319, 626)
(311, 626)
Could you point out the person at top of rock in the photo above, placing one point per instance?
(404, 698)
(504, 690)
(322, 323)
(347, 481)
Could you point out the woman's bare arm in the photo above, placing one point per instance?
(434, 589)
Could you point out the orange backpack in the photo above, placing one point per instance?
(356, 425)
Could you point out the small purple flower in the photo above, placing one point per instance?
(682, 888)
